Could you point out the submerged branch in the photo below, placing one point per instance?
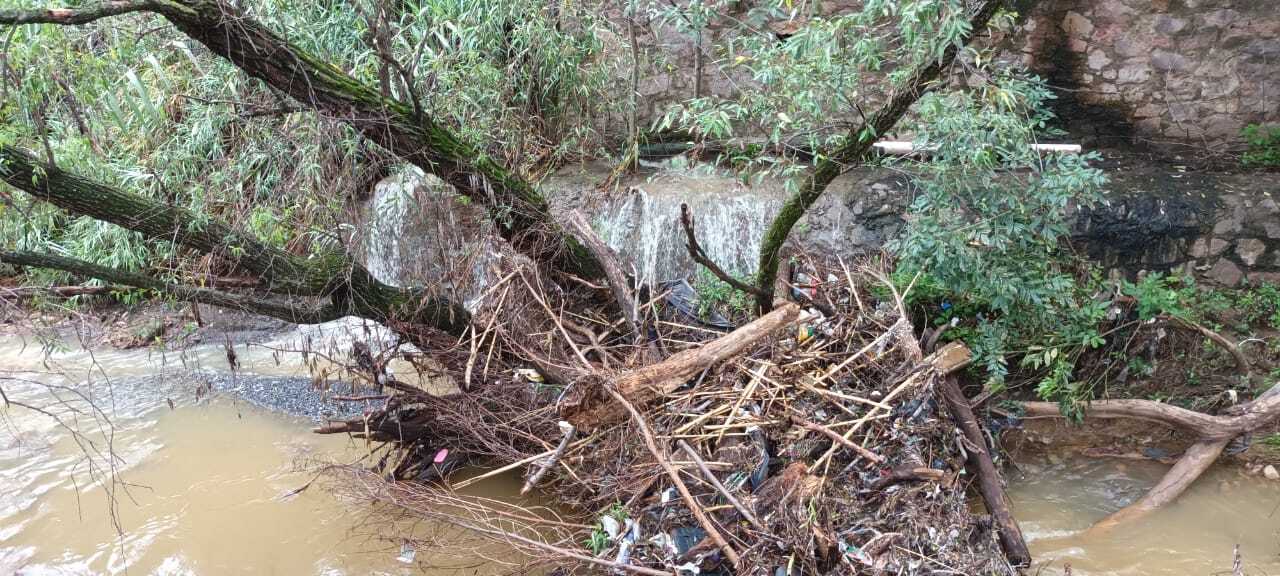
(249, 303)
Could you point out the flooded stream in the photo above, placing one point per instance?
(202, 486)
(1057, 499)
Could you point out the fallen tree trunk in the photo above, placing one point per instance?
(1213, 433)
(339, 284)
(592, 406)
(989, 483)
(947, 361)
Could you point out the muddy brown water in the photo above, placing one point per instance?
(1057, 498)
(208, 485)
(203, 487)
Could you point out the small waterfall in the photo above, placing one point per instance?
(416, 233)
(730, 220)
(389, 210)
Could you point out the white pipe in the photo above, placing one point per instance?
(900, 148)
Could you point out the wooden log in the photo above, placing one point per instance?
(1214, 433)
(989, 485)
(589, 405)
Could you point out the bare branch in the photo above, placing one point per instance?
(699, 256)
(74, 16)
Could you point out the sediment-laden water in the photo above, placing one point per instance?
(1056, 499)
(138, 462)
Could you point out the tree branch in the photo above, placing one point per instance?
(333, 275)
(248, 303)
(520, 213)
(74, 16)
(699, 256)
(279, 270)
(856, 144)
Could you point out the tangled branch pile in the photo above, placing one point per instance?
(804, 442)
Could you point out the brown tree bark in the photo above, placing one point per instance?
(591, 405)
(989, 482)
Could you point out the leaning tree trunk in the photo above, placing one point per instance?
(520, 213)
(341, 285)
(856, 145)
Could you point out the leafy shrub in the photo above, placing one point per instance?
(1260, 303)
(1264, 145)
(986, 226)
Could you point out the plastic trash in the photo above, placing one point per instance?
(684, 298)
(407, 553)
(761, 471)
(610, 526)
(531, 375)
(687, 537)
(688, 568)
(630, 536)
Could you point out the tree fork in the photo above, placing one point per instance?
(856, 144)
(1213, 434)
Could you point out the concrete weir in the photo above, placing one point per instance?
(1223, 227)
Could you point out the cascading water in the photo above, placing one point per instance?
(644, 225)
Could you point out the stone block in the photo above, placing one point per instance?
(1130, 47)
(1225, 272)
(1076, 25)
(1167, 61)
(1168, 25)
(1134, 73)
(1250, 250)
(1098, 59)
(1205, 247)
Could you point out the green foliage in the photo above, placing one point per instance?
(1157, 294)
(618, 512)
(1259, 303)
(1264, 145)
(716, 295)
(156, 113)
(829, 69)
(985, 229)
(510, 73)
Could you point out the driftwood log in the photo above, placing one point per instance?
(590, 405)
(952, 357)
(1213, 434)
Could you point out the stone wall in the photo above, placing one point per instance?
(1222, 227)
(1159, 71)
